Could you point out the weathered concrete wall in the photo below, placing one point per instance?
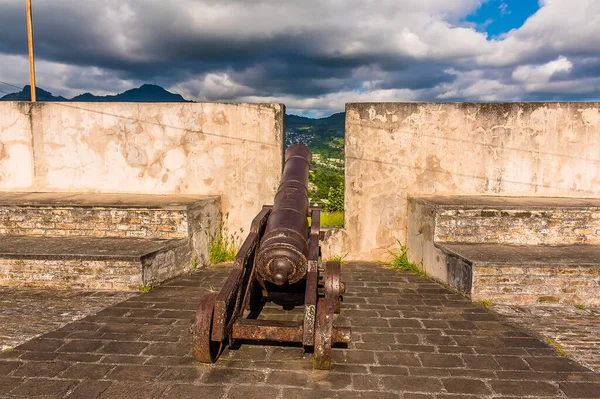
(398, 149)
(230, 150)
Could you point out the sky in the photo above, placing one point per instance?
(312, 55)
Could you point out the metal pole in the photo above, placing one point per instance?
(30, 46)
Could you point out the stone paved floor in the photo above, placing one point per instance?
(412, 340)
(26, 313)
(577, 331)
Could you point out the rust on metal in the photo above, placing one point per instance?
(333, 272)
(281, 257)
(279, 263)
(205, 349)
(268, 330)
(323, 334)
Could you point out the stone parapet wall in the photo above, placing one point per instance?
(519, 226)
(229, 150)
(93, 222)
(546, 284)
(397, 150)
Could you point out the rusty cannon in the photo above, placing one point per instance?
(278, 263)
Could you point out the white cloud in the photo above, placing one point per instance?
(541, 73)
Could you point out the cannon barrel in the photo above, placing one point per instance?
(283, 250)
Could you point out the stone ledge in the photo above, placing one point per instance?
(91, 263)
(525, 274)
(109, 200)
(469, 202)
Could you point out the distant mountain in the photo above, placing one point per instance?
(144, 93)
(25, 95)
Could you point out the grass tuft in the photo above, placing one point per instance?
(337, 258)
(580, 306)
(558, 348)
(223, 247)
(146, 288)
(400, 261)
(486, 303)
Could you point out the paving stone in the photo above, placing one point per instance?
(187, 374)
(89, 389)
(232, 376)
(481, 362)
(43, 387)
(123, 348)
(412, 384)
(194, 391)
(398, 358)
(7, 366)
(525, 388)
(439, 360)
(252, 392)
(81, 346)
(580, 389)
(553, 364)
(86, 371)
(458, 385)
(365, 382)
(7, 384)
(134, 390)
(40, 369)
(134, 373)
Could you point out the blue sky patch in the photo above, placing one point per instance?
(496, 17)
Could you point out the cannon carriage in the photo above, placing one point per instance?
(278, 262)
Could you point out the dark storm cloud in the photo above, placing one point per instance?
(310, 54)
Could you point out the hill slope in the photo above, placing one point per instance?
(325, 137)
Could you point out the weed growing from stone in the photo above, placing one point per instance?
(6, 349)
(580, 306)
(146, 288)
(223, 247)
(337, 258)
(400, 261)
(211, 289)
(486, 303)
(195, 263)
(558, 348)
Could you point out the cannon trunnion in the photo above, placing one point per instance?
(278, 262)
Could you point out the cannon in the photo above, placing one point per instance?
(278, 263)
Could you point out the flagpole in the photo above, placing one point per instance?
(30, 46)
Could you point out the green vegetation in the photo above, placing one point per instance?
(223, 247)
(195, 263)
(400, 261)
(558, 348)
(146, 288)
(333, 219)
(337, 258)
(580, 306)
(486, 303)
(335, 199)
(325, 138)
(211, 289)
(7, 349)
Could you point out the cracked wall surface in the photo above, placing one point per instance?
(394, 150)
(230, 150)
